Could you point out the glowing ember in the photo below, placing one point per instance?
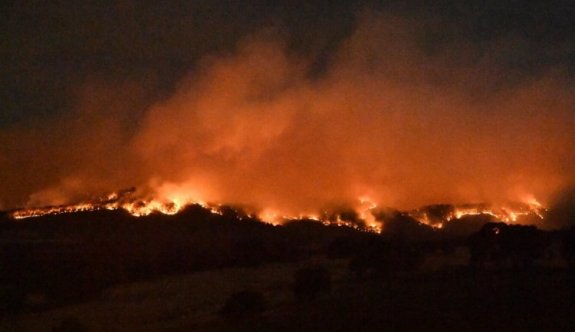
(143, 208)
(120, 200)
(434, 216)
(366, 213)
(53, 210)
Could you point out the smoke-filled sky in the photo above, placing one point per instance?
(290, 105)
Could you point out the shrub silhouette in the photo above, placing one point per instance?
(343, 247)
(568, 246)
(372, 256)
(243, 304)
(310, 282)
(12, 299)
(251, 252)
(70, 324)
(503, 245)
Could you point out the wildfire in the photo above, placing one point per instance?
(137, 209)
(144, 208)
(366, 208)
(54, 210)
(346, 223)
(435, 216)
(120, 200)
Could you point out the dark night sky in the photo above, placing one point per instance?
(48, 47)
(99, 94)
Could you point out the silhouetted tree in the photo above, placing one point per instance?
(507, 245)
(484, 245)
(310, 281)
(401, 226)
(251, 252)
(70, 324)
(343, 247)
(243, 304)
(12, 299)
(562, 213)
(405, 257)
(372, 255)
(568, 251)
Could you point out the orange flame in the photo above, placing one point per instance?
(509, 213)
(365, 209)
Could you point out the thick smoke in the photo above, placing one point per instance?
(391, 119)
(562, 210)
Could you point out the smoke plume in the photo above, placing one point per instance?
(394, 116)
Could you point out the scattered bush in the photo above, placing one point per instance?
(310, 282)
(243, 304)
(12, 299)
(342, 247)
(511, 246)
(70, 324)
(373, 255)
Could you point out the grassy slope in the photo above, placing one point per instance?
(173, 302)
(437, 298)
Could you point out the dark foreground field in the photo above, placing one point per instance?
(452, 299)
(200, 271)
(458, 301)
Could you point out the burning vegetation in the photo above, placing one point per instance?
(264, 132)
(384, 121)
(437, 215)
(365, 216)
(121, 200)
